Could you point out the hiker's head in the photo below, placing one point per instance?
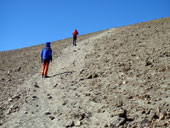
(47, 44)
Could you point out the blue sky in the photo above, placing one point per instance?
(26, 23)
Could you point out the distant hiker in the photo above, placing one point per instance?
(75, 33)
(46, 57)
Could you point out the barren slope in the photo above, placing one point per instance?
(118, 78)
(18, 66)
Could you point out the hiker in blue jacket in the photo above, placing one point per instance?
(46, 57)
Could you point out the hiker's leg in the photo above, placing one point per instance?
(43, 68)
(73, 40)
(46, 68)
(75, 43)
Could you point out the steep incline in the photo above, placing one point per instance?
(52, 101)
(118, 78)
(18, 66)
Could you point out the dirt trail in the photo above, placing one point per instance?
(58, 101)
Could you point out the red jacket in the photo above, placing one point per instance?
(75, 33)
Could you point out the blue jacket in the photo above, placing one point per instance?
(46, 53)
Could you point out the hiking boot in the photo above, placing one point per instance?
(46, 77)
(42, 75)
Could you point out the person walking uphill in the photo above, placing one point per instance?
(75, 33)
(46, 57)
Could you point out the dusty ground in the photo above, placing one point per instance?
(115, 78)
(18, 66)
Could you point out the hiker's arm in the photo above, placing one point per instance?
(51, 58)
(42, 55)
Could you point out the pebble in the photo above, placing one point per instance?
(47, 113)
(119, 103)
(145, 123)
(70, 124)
(36, 86)
(78, 123)
(52, 117)
(9, 99)
(117, 121)
(153, 116)
(122, 113)
(49, 96)
(18, 69)
(34, 97)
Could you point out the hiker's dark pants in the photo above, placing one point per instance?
(74, 41)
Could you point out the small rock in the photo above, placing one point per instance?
(47, 113)
(60, 114)
(12, 109)
(106, 125)
(148, 63)
(124, 82)
(122, 113)
(137, 57)
(153, 116)
(18, 69)
(9, 80)
(64, 103)
(91, 76)
(34, 97)
(78, 123)
(9, 99)
(158, 110)
(117, 121)
(119, 103)
(87, 94)
(55, 86)
(9, 72)
(161, 116)
(70, 124)
(99, 110)
(36, 86)
(145, 123)
(50, 97)
(81, 71)
(3, 79)
(52, 117)
(130, 97)
(16, 96)
(83, 116)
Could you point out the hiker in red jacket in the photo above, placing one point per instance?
(75, 33)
